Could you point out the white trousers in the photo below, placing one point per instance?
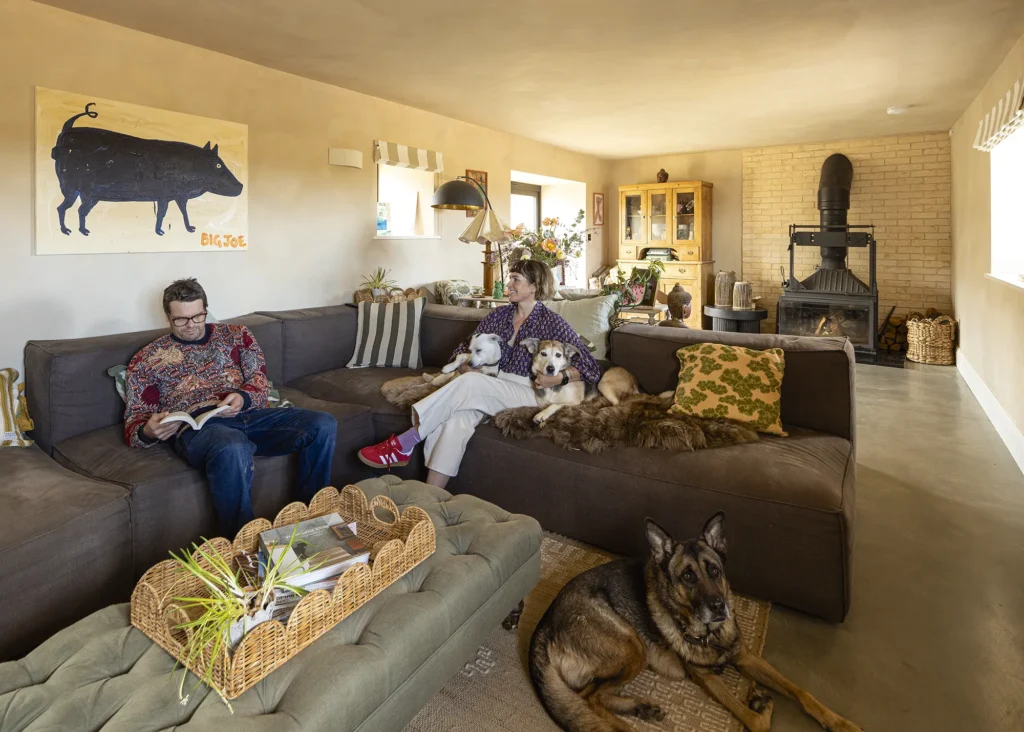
(447, 418)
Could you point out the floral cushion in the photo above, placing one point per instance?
(733, 382)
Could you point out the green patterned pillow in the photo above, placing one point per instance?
(733, 382)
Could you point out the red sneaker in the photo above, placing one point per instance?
(384, 455)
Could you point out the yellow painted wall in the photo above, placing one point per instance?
(311, 224)
(991, 313)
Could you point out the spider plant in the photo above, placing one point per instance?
(227, 603)
(379, 282)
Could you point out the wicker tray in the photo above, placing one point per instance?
(931, 340)
(395, 548)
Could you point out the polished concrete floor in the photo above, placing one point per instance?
(935, 638)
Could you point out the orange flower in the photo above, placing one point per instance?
(549, 245)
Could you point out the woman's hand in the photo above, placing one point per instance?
(543, 381)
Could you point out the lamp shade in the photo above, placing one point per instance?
(485, 227)
(460, 195)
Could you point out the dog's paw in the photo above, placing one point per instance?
(760, 701)
(539, 420)
(649, 712)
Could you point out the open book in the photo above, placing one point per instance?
(197, 423)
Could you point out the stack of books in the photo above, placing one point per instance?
(323, 548)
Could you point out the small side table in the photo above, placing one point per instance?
(651, 312)
(731, 320)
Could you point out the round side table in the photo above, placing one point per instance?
(731, 320)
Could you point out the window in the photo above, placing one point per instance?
(403, 202)
(525, 205)
(1007, 204)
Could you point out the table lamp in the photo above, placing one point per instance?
(465, 194)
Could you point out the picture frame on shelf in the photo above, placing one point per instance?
(598, 209)
(479, 176)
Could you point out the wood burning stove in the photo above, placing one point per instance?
(833, 301)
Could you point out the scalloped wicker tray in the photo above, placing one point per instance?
(396, 548)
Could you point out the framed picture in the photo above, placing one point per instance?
(118, 177)
(480, 177)
(598, 209)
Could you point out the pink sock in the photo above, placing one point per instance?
(409, 439)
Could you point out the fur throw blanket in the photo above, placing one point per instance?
(596, 426)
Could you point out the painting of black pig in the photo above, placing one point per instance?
(116, 168)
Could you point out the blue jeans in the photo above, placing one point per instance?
(224, 448)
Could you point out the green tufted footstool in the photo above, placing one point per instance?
(373, 671)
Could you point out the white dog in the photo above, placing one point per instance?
(484, 356)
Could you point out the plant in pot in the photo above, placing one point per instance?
(636, 288)
(379, 284)
(230, 607)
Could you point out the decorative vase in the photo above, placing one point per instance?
(499, 290)
(237, 630)
(724, 281)
(742, 296)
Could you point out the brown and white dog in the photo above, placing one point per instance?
(554, 357)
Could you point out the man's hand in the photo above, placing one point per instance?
(233, 400)
(543, 381)
(465, 368)
(156, 431)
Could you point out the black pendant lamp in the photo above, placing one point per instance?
(459, 195)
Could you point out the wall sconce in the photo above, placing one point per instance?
(348, 158)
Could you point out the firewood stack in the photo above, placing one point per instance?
(894, 334)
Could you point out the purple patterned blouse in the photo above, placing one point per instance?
(543, 325)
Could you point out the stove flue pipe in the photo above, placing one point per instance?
(833, 205)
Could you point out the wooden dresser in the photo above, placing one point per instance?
(675, 215)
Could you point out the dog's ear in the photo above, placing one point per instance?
(570, 351)
(714, 533)
(493, 337)
(530, 344)
(662, 545)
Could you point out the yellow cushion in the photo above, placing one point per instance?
(10, 431)
(733, 382)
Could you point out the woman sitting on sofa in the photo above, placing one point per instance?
(445, 420)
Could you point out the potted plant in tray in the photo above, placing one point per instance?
(230, 607)
(379, 284)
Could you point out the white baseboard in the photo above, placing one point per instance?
(1000, 419)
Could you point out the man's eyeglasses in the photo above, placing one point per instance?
(197, 319)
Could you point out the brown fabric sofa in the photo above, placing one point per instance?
(789, 501)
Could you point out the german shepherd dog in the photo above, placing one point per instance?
(671, 612)
(554, 357)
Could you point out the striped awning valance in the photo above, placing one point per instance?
(1004, 118)
(391, 153)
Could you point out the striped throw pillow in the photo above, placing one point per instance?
(388, 334)
(10, 406)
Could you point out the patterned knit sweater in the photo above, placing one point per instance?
(172, 375)
(542, 324)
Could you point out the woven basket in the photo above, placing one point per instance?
(931, 341)
(395, 548)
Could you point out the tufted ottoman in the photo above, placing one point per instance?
(373, 671)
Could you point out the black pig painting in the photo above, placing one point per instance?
(124, 165)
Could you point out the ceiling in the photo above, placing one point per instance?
(621, 79)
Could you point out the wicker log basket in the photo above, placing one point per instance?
(395, 548)
(931, 339)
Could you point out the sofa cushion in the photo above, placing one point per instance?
(65, 548)
(70, 393)
(388, 335)
(788, 504)
(817, 392)
(591, 318)
(170, 502)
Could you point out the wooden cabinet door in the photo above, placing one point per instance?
(685, 212)
(658, 218)
(632, 218)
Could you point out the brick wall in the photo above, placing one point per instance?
(900, 184)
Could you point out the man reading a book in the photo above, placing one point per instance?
(199, 367)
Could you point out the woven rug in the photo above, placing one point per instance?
(493, 691)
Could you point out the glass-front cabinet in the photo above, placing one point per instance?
(684, 216)
(657, 205)
(634, 214)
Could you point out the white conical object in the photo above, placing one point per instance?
(485, 227)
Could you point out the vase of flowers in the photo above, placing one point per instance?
(554, 243)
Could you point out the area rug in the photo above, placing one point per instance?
(493, 691)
